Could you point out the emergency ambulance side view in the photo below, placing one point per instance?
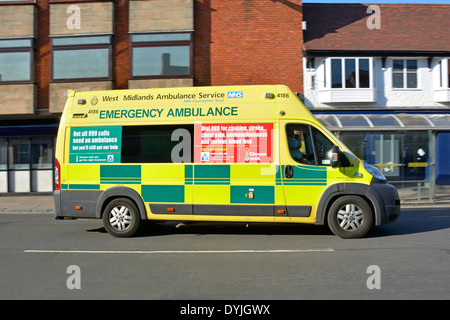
(234, 154)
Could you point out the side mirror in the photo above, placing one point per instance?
(335, 156)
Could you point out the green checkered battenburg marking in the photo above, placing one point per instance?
(212, 174)
(120, 174)
(311, 176)
(163, 193)
(204, 175)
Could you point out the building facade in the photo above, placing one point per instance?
(379, 78)
(49, 46)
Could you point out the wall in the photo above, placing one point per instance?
(17, 99)
(17, 21)
(161, 15)
(385, 95)
(248, 42)
(95, 18)
(57, 98)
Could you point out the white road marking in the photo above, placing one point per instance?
(176, 251)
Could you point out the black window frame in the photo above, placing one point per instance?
(342, 64)
(163, 43)
(75, 47)
(405, 72)
(19, 49)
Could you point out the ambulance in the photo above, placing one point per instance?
(221, 154)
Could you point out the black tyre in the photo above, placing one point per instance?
(350, 217)
(121, 218)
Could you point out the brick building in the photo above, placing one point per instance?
(48, 46)
(384, 91)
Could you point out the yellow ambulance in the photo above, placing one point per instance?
(238, 153)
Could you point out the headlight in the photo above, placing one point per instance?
(374, 171)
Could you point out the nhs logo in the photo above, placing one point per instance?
(235, 94)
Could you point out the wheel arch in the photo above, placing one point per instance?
(120, 192)
(335, 191)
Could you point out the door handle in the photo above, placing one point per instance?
(288, 172)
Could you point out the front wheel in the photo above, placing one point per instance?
(350, 217)
(121, 218)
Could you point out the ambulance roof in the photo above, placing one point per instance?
(185, 105)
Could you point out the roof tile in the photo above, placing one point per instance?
(404, 27)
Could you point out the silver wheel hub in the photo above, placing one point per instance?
(350, 217)
(120, 218)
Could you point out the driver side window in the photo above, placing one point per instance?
(323, 148)
(307, 145)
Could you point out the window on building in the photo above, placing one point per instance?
(81, 58)
(404, 74)
(20, 150)
(401, 156)
(26, 163)
(336, 73)
(161, 55)
(444, 73)
(16, 60)
(19, 153)
(42, 153)
(349, 73)
(3, 153)
(448, 73)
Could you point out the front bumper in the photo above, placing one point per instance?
(389, 202)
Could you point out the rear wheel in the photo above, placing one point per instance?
(350, 217)
(121, 218)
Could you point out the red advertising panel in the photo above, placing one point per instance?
(233, 143)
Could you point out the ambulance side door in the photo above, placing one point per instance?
(305, 162)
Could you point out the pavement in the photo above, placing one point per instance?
(27, 204)
(45, 204)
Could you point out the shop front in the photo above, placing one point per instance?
(26, 158)
(411, 150)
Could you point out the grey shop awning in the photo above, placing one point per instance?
(378, 122)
